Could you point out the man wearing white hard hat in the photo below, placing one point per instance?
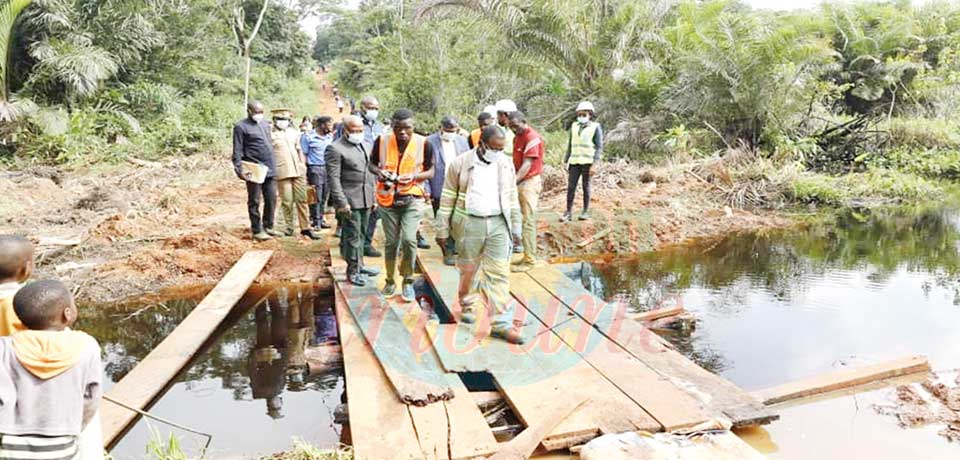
(584, 148)
(504, 108)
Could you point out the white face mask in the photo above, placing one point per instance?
(371, 115)
(282, 124)
(258, 117)
(449, 137)
(491, 155)
(583, 120)
(355, 138)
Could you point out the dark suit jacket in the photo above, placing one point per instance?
(435, 186)
(350, 181)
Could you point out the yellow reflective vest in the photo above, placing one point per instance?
(582, 148)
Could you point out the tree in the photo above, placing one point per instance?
(9, 11)
(244, 42)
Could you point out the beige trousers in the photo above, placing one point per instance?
(529, 195)
(293, 194)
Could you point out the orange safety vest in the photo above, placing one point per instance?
(475, 137)
(411, 162)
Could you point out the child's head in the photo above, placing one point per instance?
(45, 305)
(16, 259)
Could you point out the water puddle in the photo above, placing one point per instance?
(267, 375)
(779, 307)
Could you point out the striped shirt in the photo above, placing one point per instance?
(38, 447)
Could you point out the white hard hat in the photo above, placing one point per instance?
(506, 106)
(491, 109)
(585, 105)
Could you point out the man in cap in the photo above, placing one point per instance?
(584, 148)
(291, 173)
(252, 145)
(479, 210)
(486, 118)
(447, 144)
(314, 144)
(403, 163)
(504, 108)
(352, 188)
(528, 150)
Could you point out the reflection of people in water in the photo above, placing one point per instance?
(267, 364)
(300, 330)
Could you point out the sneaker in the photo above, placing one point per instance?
(523, 266)
(566, 217)
(585, 215)
(422, 243)
(507, 334)
(261, 236)
(407, 293)
(518, 249)
(309, 233)
(389, 289)
(273, 232)
(449, 260)
(370, 271)
(468, 315)
(372, 252)
(357, 279)
(324, 225)
(288, 232)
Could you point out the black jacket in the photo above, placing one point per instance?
(350, 181)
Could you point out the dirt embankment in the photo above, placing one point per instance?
(935, 402)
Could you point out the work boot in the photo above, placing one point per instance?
(389, 289)
(370, 271)
(261, 236)
(309, 233)
(421, 242)
(566, 217)
(372, 252)
(407, 293)
(585, 215)
(273, 232)
(507, 334)
(449, 260)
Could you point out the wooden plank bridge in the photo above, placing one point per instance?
(406, 399)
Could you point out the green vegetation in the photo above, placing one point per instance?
(304, 451)
(86, 82)
(858, 88)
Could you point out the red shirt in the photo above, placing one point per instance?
(528, 145)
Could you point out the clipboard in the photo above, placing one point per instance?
(253, 172)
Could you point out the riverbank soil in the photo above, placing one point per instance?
(935, 401)
(124, 230)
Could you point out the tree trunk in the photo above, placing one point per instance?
(246, 77)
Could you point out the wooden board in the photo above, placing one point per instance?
(715, 392)
(380, 422)
(522, 446)
(144, 384)
(670, 406)
(416, 380)
(843, 379)
(539, 375)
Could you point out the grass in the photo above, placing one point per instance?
(304, 451)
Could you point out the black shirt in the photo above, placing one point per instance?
(251, 142)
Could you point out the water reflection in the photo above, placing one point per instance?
(265, 367)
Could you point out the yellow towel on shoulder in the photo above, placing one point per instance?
(47, 354)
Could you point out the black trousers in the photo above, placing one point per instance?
(268, 191)
(576, 172)
(351, 240)
(317, 178)
(371, 228)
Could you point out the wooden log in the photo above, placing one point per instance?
(593, 239)
(147, 381)
(842, 379)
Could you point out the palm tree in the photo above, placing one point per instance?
(9, 11)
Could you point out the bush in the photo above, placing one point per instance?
(874, 185)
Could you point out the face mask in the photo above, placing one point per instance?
(355, 138)
(449, 137)
(491, 155)
(371, 115)
(282, 124)
(257, 117)
(307, 127)
(583, 120)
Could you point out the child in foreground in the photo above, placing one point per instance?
(50, 377)
(16, 266)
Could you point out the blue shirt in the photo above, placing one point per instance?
(313, 146)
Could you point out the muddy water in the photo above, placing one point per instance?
(773, 308)
(250, 388)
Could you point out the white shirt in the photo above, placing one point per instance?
(449, 153)
(483, 196)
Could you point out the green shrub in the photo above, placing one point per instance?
(815, 188)
(921, 133)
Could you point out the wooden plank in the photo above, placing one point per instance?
(417, 381)
(540, 374)
(144, 384)
(843, 379)
(658, 313)
(522, 446)
(381, 422)
(658, 396)
(470, 436)
(715, 392)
